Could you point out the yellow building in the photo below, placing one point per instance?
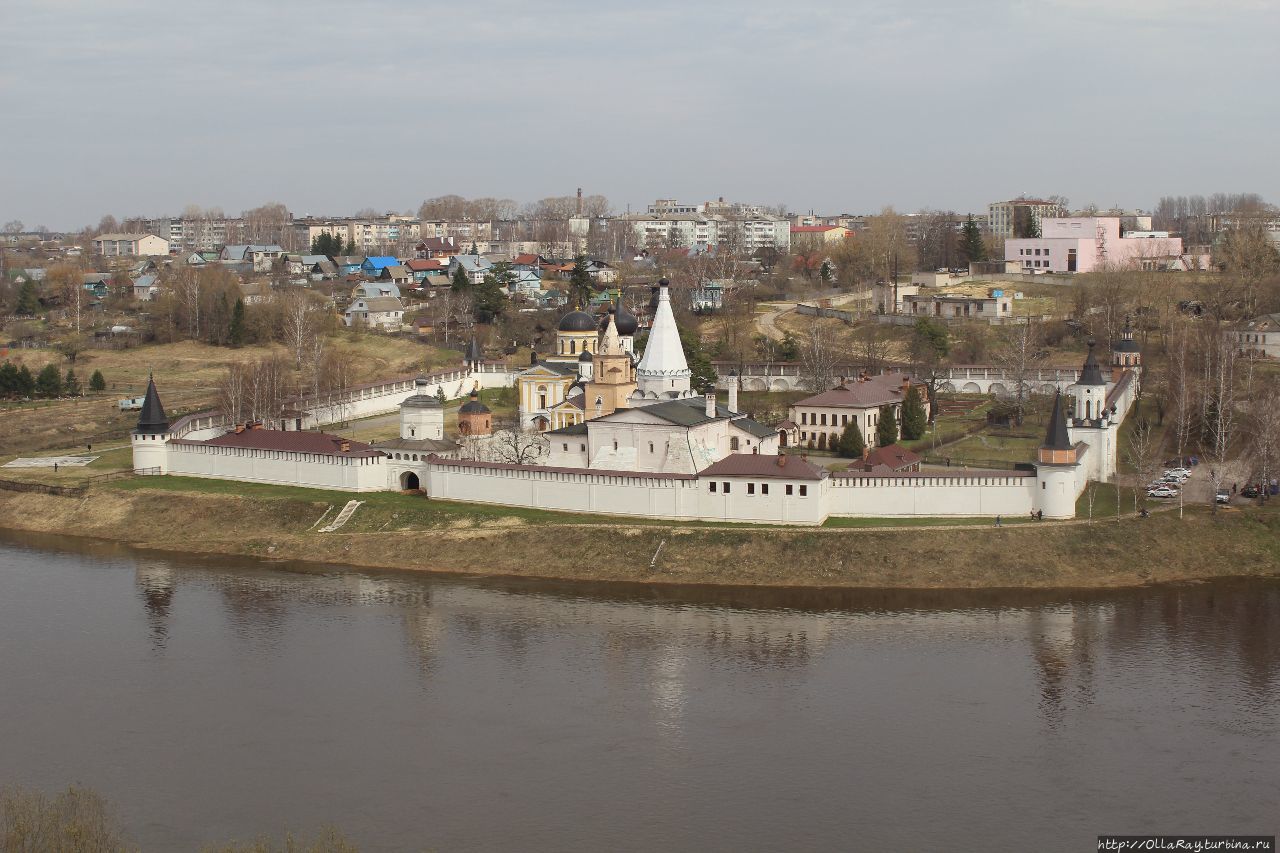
(613, 378)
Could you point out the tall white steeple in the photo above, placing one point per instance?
(663, 374)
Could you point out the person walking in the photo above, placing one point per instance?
(997, 521)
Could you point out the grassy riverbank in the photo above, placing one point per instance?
(411, 532)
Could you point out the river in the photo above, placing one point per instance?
(219, 700)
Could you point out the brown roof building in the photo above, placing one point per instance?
(819, 421)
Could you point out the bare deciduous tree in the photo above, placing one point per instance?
(818, 356)
(1020, 352)
(300, 323)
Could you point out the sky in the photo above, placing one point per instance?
(139, 107)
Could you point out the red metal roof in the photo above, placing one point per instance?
(293, 441)
(876, 391)
(895, 457)
(780, 466)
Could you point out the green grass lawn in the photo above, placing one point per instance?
(405, 510)
(1104, 501)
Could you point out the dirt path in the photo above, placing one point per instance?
(767, 322)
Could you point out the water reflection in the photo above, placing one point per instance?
(215, 698)
(155, 583)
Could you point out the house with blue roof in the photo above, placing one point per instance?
(349, 264)
(375, 264)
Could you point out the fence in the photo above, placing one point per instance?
(43, 488)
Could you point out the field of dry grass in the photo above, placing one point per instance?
(187, 374)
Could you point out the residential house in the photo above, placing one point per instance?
(255, 291)
(526, 283)
(396, 274)
(373, 265)
(261, 257)
(819, 421)
(373, 289)
(384, 312)
(419, 268)
(476, 266)
(436, 247)
(349, 264)
(98, 284)
(145, 288)
(132, 245)
(601, 273)
(1259, 336)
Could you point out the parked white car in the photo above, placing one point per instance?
(1162, 492)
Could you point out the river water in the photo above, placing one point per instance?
(218, 700)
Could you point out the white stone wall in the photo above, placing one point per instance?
(386, 398)
(1000, 493)
(279, 467)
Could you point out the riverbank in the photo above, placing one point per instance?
(410, 532)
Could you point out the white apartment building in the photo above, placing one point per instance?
(691, 230)
(1003, 216)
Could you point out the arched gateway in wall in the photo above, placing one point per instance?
(409, 482)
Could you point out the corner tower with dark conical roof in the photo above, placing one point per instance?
(153, 419)
(151, 435)
(1057, 448)
(1057, 481)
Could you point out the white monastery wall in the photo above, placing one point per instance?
(927, 495)
(279, 467)
(386, 397)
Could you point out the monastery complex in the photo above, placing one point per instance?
(602, 431)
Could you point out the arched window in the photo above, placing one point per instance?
(733, 443)
(573, 347)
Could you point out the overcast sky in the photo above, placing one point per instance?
(138, 107)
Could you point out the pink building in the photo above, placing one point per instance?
(1088, 243)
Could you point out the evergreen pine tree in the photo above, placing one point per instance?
(490, 301)
(26, 382)
(914, 420)
(49, 382)
(887, 427)
(28, 304)
(71, 384)
(235, 331)
(581, 287)
(461, 282)
(97, 382)
(440, 395)
(971, 243)
(9, 385)
(851, 444)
